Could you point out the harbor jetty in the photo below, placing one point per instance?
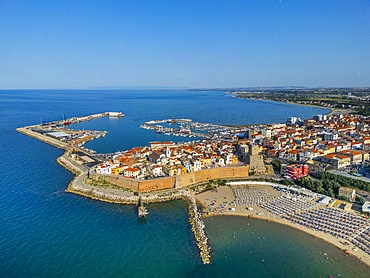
(58, 134)
(197, 227)
(74, 120)
(141, 209)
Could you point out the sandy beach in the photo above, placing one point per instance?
(222, 202)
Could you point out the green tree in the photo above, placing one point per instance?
(359, 200)
(331, 192)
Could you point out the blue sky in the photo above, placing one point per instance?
(81, 44)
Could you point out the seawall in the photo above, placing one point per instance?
(175, 182)
(44, 138)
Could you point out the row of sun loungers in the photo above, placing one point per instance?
(252, 197)
(362, 240)
(287, 205)
(302, 210)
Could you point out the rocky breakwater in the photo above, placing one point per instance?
(102, 194)
(163, 197)
(67, 162)
(195, 220)
(197, 227)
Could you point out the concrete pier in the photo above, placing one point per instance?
(44, 138)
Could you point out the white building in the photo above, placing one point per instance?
(115, 114)
(228, 158)
(266, 132)
(318, 117)
(197, 165)
(221, 162)
(328, 136)
(131, 173)
(105, 169)
(366, 207)
(292, 120)
(325, 201)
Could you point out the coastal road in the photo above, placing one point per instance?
(345, 174)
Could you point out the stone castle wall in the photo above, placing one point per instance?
(212, 174)
(176, 181)
(156, 184)
(117, 180)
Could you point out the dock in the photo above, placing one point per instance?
(141, 209)
(58, 133)
(188, 128)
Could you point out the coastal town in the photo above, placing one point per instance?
(162, 159)
(222, 169)
(321, 143)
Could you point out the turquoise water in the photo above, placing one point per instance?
(46, 232)
(257, 248)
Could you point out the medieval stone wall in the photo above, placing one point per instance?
(172, 182)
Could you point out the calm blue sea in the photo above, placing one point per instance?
(45, 232)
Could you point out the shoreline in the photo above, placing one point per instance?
(262, 214)
(333, 110)
(364, 260)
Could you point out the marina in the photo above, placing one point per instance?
(188, 128)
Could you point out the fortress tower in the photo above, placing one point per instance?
(255, 160)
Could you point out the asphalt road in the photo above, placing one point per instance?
(345, 174)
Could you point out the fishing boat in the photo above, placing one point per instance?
(66, 122)
(115, 114)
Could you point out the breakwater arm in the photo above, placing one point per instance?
(197, 227)
(44, 138)
(195, 219)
